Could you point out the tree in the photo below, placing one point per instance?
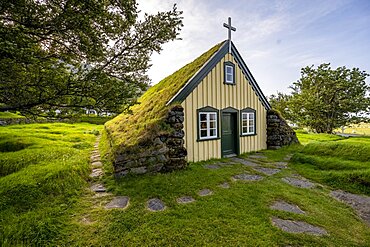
(69, 54)
(280, 102)
(326, 98)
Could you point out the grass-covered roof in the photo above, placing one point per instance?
(146, 118)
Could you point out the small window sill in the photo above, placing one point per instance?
(208, 139)
(230, 83)
(252, 134)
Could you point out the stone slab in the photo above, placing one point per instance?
(257, 156)
(244, 162)
(99, 188)
(118, 202)
(95, 157)
(298, 182)
(96, 172)
(96, 164)
(185, 199)
(224, 185)
(247, 177)
(360, 203)
(280, 165)
(211, 166)
(267, 171)
(155, 204)
(287, 207)
(293, 226)
(205, 192)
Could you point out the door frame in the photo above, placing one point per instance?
(234, 112)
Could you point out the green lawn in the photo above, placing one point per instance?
(44, 197)
(10, 115)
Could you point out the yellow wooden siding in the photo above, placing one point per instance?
(213, 92)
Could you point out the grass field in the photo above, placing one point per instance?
(361, 129)
(44, 198)
(43, 172)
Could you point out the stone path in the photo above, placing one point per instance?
(155, 205)
(212, 166)
(205, 192)
(98, 188)
(247, 177)
(224, 185)
(293, 226)
(185, 199)
(360, 203)
(267, 171)
(287, 207)
(244, 162)
(118, 202)
(299, 182)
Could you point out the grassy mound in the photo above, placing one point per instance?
(128, 130)
(40, 182)
(342, 164)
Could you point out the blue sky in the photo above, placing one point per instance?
(275, 38)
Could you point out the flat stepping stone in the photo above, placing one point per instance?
(95, 158)
(257, 156)
(287, 207)
(205, 192)
(297, 182)
(267, 171)
(118, 202)
(293, 226)
(155, 205)
(96, 164)
(360, 203)
(280, 165)
(97, 172)
(247, 177)
(244, 162)
(185, 199)
(99, 188)
(224, 185)
(288, 157)
(212, 166)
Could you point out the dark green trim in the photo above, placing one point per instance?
(236, 113)
(208, 109)
(232, 65)
(248, 109)
(199, 76)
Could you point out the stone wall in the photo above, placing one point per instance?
(163, 153)
(279, 133)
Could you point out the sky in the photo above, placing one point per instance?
(275, 38)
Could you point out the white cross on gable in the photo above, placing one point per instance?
(230, 28)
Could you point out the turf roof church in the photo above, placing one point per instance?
(210, 108)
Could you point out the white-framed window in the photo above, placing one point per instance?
(207, 125)
(229, 70)
(248, 123)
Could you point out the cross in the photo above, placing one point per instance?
(230, 28)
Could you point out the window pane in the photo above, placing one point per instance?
(244, 123)
(251, 129)
(244, 116)
(229, 78)
(229, 69)
(203, 125)
(203, 117)
(213, 132)
(212, 124)
(245, 130)
(251, 116)
(203, 133)
(251, 122)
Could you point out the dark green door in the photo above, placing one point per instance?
(229, 131)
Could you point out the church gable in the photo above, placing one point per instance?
(211, 64)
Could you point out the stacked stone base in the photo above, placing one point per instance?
(279, 133)
(164, 153)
